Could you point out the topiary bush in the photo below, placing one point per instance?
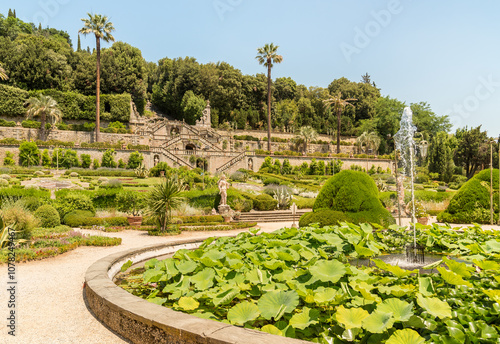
(353, 192)
(77, 218)
(325, 217)
(48, 216)
(73, 201)
(471, 204)
(264, 202)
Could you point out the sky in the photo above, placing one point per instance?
(445, 53)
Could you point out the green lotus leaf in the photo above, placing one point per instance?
(396, 290)
(272, 330)
(328, 270)
(170, 268)
(434, 306)
(150, 264)
(363, 251)
(124, 266)
(487, 264)
(151, 276)
(491, 246)
(304, 319)
(307, 254)
(406, 336)
(432, 265)
(157, 300)
(288, 255)
(242, 313)
(452, 278)
(425, 286)
(188, 303)
(395, 270)
(492, 294)
(351, 317)
(275, 303)
(401, 310)
(285, 276)
(378, 322)
(274, 264)
(186, 266)
(461, 269)
(204, 279)
(258, 276)
(323, 295)
(234, 264)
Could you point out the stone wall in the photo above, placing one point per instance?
(261, 134)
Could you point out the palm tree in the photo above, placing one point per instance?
(370, 140)
(338, 104)
(3, 75)
(45, 107)
(267, 56)
(101, 27)
(308, 134)
(163, 198)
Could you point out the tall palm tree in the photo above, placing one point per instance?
(46, 108)
(308, 134)
(3, 75)
(338, 104)
(101, 27)
(267, 56)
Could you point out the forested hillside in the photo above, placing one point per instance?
(36, 58)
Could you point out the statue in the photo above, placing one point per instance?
(223, 184)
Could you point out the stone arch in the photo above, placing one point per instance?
(190, 147)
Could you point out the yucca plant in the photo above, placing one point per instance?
(162, 199)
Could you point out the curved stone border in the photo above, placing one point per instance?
(143, 322)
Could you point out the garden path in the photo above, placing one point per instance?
(50, 307)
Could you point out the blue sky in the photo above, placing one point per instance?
(446, 53)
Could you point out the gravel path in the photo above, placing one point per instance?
(50, 307)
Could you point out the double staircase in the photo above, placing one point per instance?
(231, 162)
(272, 216)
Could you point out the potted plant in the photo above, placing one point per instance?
(420, 214)
(131, 203)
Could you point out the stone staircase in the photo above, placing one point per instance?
(231, 162)
(272, 216)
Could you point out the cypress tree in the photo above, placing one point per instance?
(14, 14)
(10, 14)
(79, 46)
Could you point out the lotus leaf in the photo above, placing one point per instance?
(186, 266)
(406, 336)
(188, 303)
(378, 322)
(452, 278)
(304, 319)
(272, 303)
(272, 330)
(434, 306)
(328, 271)
(401, 310)
(351, 317)
(242, 313)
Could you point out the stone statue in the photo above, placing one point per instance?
(223, 185)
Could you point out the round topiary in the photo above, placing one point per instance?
(32, 186)
(5, 176)
(4, 183)
(264, 202)
(471, 204)
(355, 194)
(48, 216)
(39, 173)
(102, 179)
(73, 174)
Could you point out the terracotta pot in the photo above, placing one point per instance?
(227, 218)
(134, 220)
(423, 220)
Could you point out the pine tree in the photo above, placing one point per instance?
(40, 27)
(10, 14)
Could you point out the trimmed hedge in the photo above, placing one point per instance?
(472, 202)
(48, 216)
(201, 219)
(15, 194)
(328, 217)
(264, 202)
(356, 194)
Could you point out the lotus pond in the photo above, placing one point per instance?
(298, 283)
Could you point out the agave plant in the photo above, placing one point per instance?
(142, 171)
(283, 196)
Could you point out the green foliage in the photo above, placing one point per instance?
(48, 216)
(161, 166)
(121, 163)
(472, 150)
(86, 160)
(192, 107)
(29, 154)
(471, 204)
(12, 101)
(17, 213)
(135, 160)
(130, 202)
(108, 158)
(440, 157)
(353, 192)
(31, 124)
(9, 159)
(67, 202)
(264, 202)
(162, 199)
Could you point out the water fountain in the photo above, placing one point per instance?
(405, 144)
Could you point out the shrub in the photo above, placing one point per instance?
(77, 218)
(73, 201)
(16, 212)
(271, 180)
(86, 160)
(112, 184)
(353, 192)
(96, 164)
(264, 202)
(472, 202)
(48, 216)
(135, 160)
(325, 217)
(237, 200)
(108, 158)
(4, 123)
(9, 159)
(4, 183)
(29, 154)
(31, 124)
(130, 202)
